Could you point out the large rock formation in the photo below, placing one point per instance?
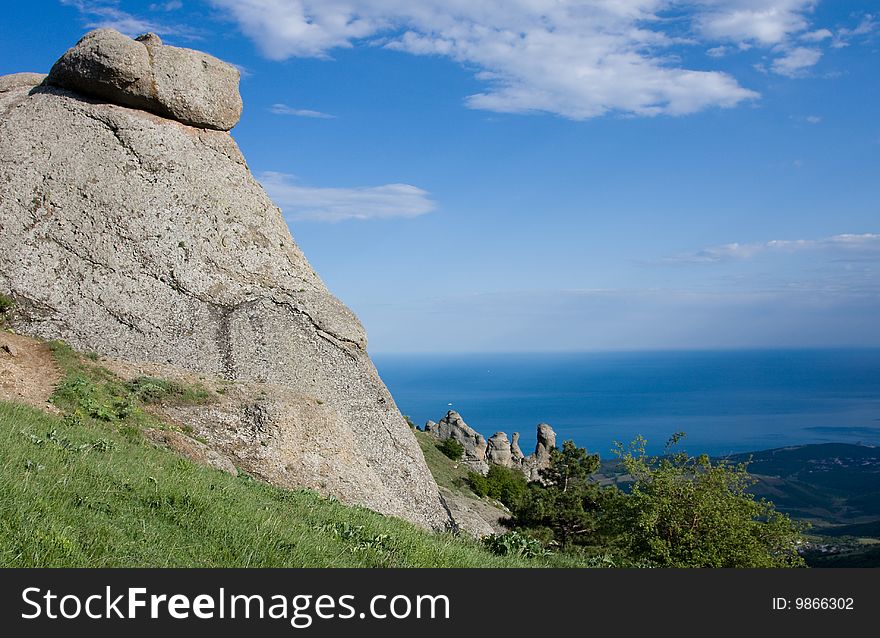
(140, 234)
(499, 450)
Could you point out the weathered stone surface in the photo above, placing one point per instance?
(546, 442)
(516, 454)
(192, 449)
(189, 86)
(475, 517)
(533, 464)
(146, 240)
(474, 444)
(498, 450)
(20, 80)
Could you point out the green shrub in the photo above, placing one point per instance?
(503, 484)
(514, 544)
(452, 448)
(154, 390)
(6, 304)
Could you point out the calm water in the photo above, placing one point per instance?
(724, 401)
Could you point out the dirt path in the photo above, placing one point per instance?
(28, 372)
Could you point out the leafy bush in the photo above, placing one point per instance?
(451, 448)
(514, 544)
(504, 484)
(685, 511)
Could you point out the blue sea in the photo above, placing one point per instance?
(725, 402)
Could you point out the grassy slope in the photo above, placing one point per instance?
(88, 490)
(447, 472)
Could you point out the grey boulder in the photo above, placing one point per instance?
(181, 84)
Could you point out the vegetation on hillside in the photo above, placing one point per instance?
(679, 511)
(86, 489)
(451, 448)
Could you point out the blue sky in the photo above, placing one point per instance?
(537, 175)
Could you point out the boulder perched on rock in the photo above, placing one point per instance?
(127, 232)
(189, 86)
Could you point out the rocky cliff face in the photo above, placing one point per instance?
(480, 453)
(131, 226)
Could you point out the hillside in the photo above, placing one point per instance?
(86, 487)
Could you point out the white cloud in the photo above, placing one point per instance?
(766, 22)
(718, 52)
(796, 61)
(812, 119)
(574, 59)
(301, 202)
(865, 243)
(817, 36)
(107, 14)
(284, 109)
(171, 5)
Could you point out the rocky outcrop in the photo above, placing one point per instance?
(133, 228)
(452, 426)
(533, 465)
(498, 450)
(185, 85)
(516, 454)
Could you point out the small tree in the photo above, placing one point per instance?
(685, 511)
(565, 505)
(451, 448)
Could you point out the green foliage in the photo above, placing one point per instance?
(503, 484)
(6, 304)
(452, 449)
(409, 422)
(514, 544)
(566, 504)
(685, 511)
(154, 390)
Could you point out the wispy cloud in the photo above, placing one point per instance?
(300, 202)
(107, 14)
(813, 119)
(868, 244)
(867, 26)
(794, 62)
(284, 109)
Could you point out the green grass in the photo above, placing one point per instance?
(88, 494)
(448, 473)
(87, 490)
